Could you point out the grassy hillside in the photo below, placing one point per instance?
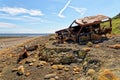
(115, 24)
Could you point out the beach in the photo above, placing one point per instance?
(12, 41)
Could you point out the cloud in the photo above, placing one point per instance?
(63, 9)
(17, 11)
(23, 18)
(7, 25)
(79, 10)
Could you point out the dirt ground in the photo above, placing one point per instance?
(51, 61)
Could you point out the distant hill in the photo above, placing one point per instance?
(115, 24)
(117, 16)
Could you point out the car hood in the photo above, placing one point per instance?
(61, 30)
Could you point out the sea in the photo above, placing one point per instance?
(23, 34)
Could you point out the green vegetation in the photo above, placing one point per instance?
(115, 24)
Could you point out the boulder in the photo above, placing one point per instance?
(31, 48)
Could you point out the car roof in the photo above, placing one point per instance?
(91, 20)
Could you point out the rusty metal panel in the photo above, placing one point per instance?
(91, 20)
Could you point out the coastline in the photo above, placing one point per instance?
(9, 43)
(13, 40)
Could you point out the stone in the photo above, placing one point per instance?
(31, 48)
(30, 64)
(115, 46)
(54, 67)
(52, 79)
(30, 60)
(67, 58)
(48, 76)
(21, 70)
(107, 75)
(33, 60)
(97, 46)
(78, 79)
(14, 69)
(85, 63)
(76, 69)
(56, 77)
(89, 44)
(42, 63)
(90, 72)
(66, 69)
(86, 49)
(58, 67)
(27, 74)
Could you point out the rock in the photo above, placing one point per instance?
(89, 44)
(86, 49)
(78, 78)
(54, 67)
(21, 70)
(76, 69)
(58, 67)
(66, 68)
(85, 63)
(1, 68)
(52, 79)
(107, 75)
(82, 54)
(30, 64)
(97, 46)
(48, 76)
(90, 72)
(42, 63)
(67, 58)
(1, 76)
(33, 60)
(14, 69)
(30, 60)
(52, 38)
(22, 56)
(115, 46)
(27, 74)
(56, 77)
(31, 48)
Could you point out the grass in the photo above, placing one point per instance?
(115, 25)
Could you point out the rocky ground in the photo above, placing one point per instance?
(44, 59)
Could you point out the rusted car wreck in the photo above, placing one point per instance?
(85, 29)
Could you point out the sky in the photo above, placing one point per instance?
(48, 16)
